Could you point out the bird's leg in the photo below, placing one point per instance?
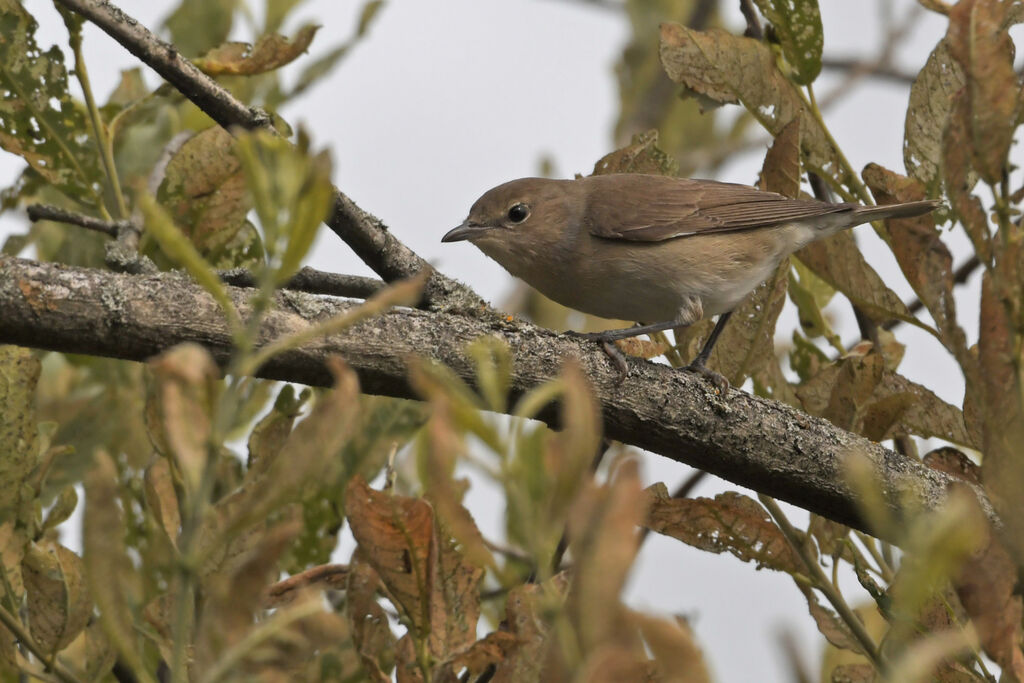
(626, 333)
(698, 364)
(608, 338)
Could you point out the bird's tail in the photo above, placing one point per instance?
(906, 210)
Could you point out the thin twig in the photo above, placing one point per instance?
(13, 624)
(822, 583)
(324, 576)
(961, 275)
(306, 280)
(47, 212)
(313, 281)
(366, 235)
(868, 69)
(754, 29)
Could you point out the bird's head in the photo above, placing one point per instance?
(516, 214)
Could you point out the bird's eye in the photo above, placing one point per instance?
(517, 213)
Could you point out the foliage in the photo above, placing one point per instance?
(213, 502)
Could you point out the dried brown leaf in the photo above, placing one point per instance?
(677, 657)
(59, 606)
(1002, 413)
(839, 263)
(829, 624)
(642, 155)
(957, 175)
(396, 536)
(19, 374)
(923, 256)
(113, 580)
(854, 673)
(371, 632)
(186, 378)
(530, 611)
(931, 103)
(161, 498)
(979, 40)
(204, 190)
(986, 584)
(729, 522)
(781, 169)
(270, 52)
(730, 69)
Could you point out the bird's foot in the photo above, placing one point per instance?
(613, 352)
(618, 359)
(718, 381)
(600, 337)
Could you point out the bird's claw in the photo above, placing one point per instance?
(717, 380)
(618, 359)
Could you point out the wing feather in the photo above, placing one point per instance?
(654, 208)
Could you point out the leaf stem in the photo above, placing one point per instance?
(822, 583)
(102, 139)
(13, 624)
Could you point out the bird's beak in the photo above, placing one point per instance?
(463, 232)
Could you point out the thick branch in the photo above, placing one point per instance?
(367, 236)
(751, 441)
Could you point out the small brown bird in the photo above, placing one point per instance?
(662, 251)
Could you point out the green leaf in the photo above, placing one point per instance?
(292, 193)
(38, 119)
(797, 25)
(324, 65)
(728, 69)
(178, 247)
(199, 25)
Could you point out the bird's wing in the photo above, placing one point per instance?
(653, 208)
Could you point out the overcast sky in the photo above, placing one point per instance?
(448, 98)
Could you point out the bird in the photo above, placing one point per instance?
(659, 250)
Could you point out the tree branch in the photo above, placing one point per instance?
(754, 442)
(367, 236)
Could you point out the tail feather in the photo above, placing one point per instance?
(906, 210)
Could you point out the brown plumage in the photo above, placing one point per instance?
(658, 250)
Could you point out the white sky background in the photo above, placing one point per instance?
(447, 99)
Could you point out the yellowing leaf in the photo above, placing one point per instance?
(204, 191)
(186, 394)
(59, 606)
(642, 155)
(931, 102)
(923, 256)
(39, 120)
(113, 581)
(19, 374)
(979, 40)
(730, 69)
(244, 59)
